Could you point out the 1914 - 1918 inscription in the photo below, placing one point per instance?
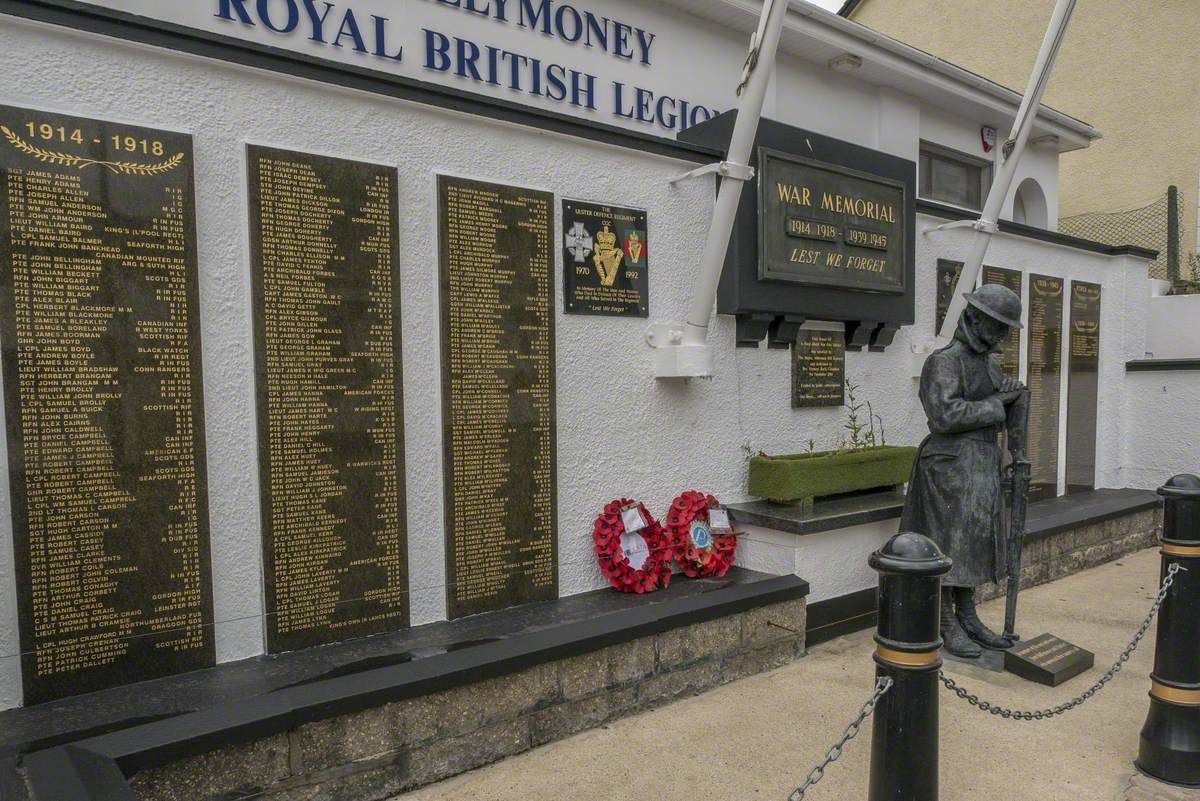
(606, 260)
(496, 259)
(819, 366)
(1083, 386)
(826, 225)
(99, 316)
(1045, 372)
(324, 259)
(1010, 353)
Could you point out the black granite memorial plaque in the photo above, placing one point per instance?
(823, 224)
(1047, 660)
(1083, 386)
(324, 253)
(1045, 373)
(819, 367)
(606, 255)
(947, 279)
(498, 394)
(99, 316)
(1010, 355)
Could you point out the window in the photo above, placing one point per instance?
(951, 177)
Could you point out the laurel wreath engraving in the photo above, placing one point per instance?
(79, 162)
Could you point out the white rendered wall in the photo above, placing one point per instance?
(1162, 439)
(1173, 327)
(620, 431)
(833, 562)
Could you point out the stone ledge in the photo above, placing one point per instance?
(1067, 551)
(377, 753)
(419, 688)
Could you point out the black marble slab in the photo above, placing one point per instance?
(826, 515)
(496, 266)
(103, 401)
(324, 249)
(1048, 660)
(398, 664)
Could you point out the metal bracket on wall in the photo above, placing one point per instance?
(986, 226)
(725, 169)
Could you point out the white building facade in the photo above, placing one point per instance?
(582, 101)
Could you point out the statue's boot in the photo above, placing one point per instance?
(954, 637)
(964, 601)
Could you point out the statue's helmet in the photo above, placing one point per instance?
(998, 302)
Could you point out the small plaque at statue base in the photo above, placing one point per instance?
(1047, 660)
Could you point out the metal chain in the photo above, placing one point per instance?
(1041, 714)
(882, 685)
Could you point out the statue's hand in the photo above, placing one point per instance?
(1010, 384)
(1010, 390)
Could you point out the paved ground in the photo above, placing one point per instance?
(757, 738)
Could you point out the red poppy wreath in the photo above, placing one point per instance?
(635, 561)
(701, 551)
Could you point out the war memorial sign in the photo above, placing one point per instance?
(829, 225)
(99, 316)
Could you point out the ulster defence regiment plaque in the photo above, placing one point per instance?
(324, 250)
(606, 254)
(99, 317)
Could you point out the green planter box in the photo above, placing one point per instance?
(800, 478)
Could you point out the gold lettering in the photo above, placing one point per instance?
(795, 195)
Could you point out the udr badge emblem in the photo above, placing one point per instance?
(579, 242)
(701, 535)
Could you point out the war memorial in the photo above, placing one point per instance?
(377, 408)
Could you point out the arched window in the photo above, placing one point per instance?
(1029, 205)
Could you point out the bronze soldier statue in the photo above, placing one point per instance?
(954, 494)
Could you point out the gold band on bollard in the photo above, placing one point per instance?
(1174, 695)
(907, 659)
(1180, 550)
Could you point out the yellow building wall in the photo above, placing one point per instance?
(1129, 69)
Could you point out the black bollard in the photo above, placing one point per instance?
(1170, 741)
(904, 747)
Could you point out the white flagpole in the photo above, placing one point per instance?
(682, 348)
(986, 225)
